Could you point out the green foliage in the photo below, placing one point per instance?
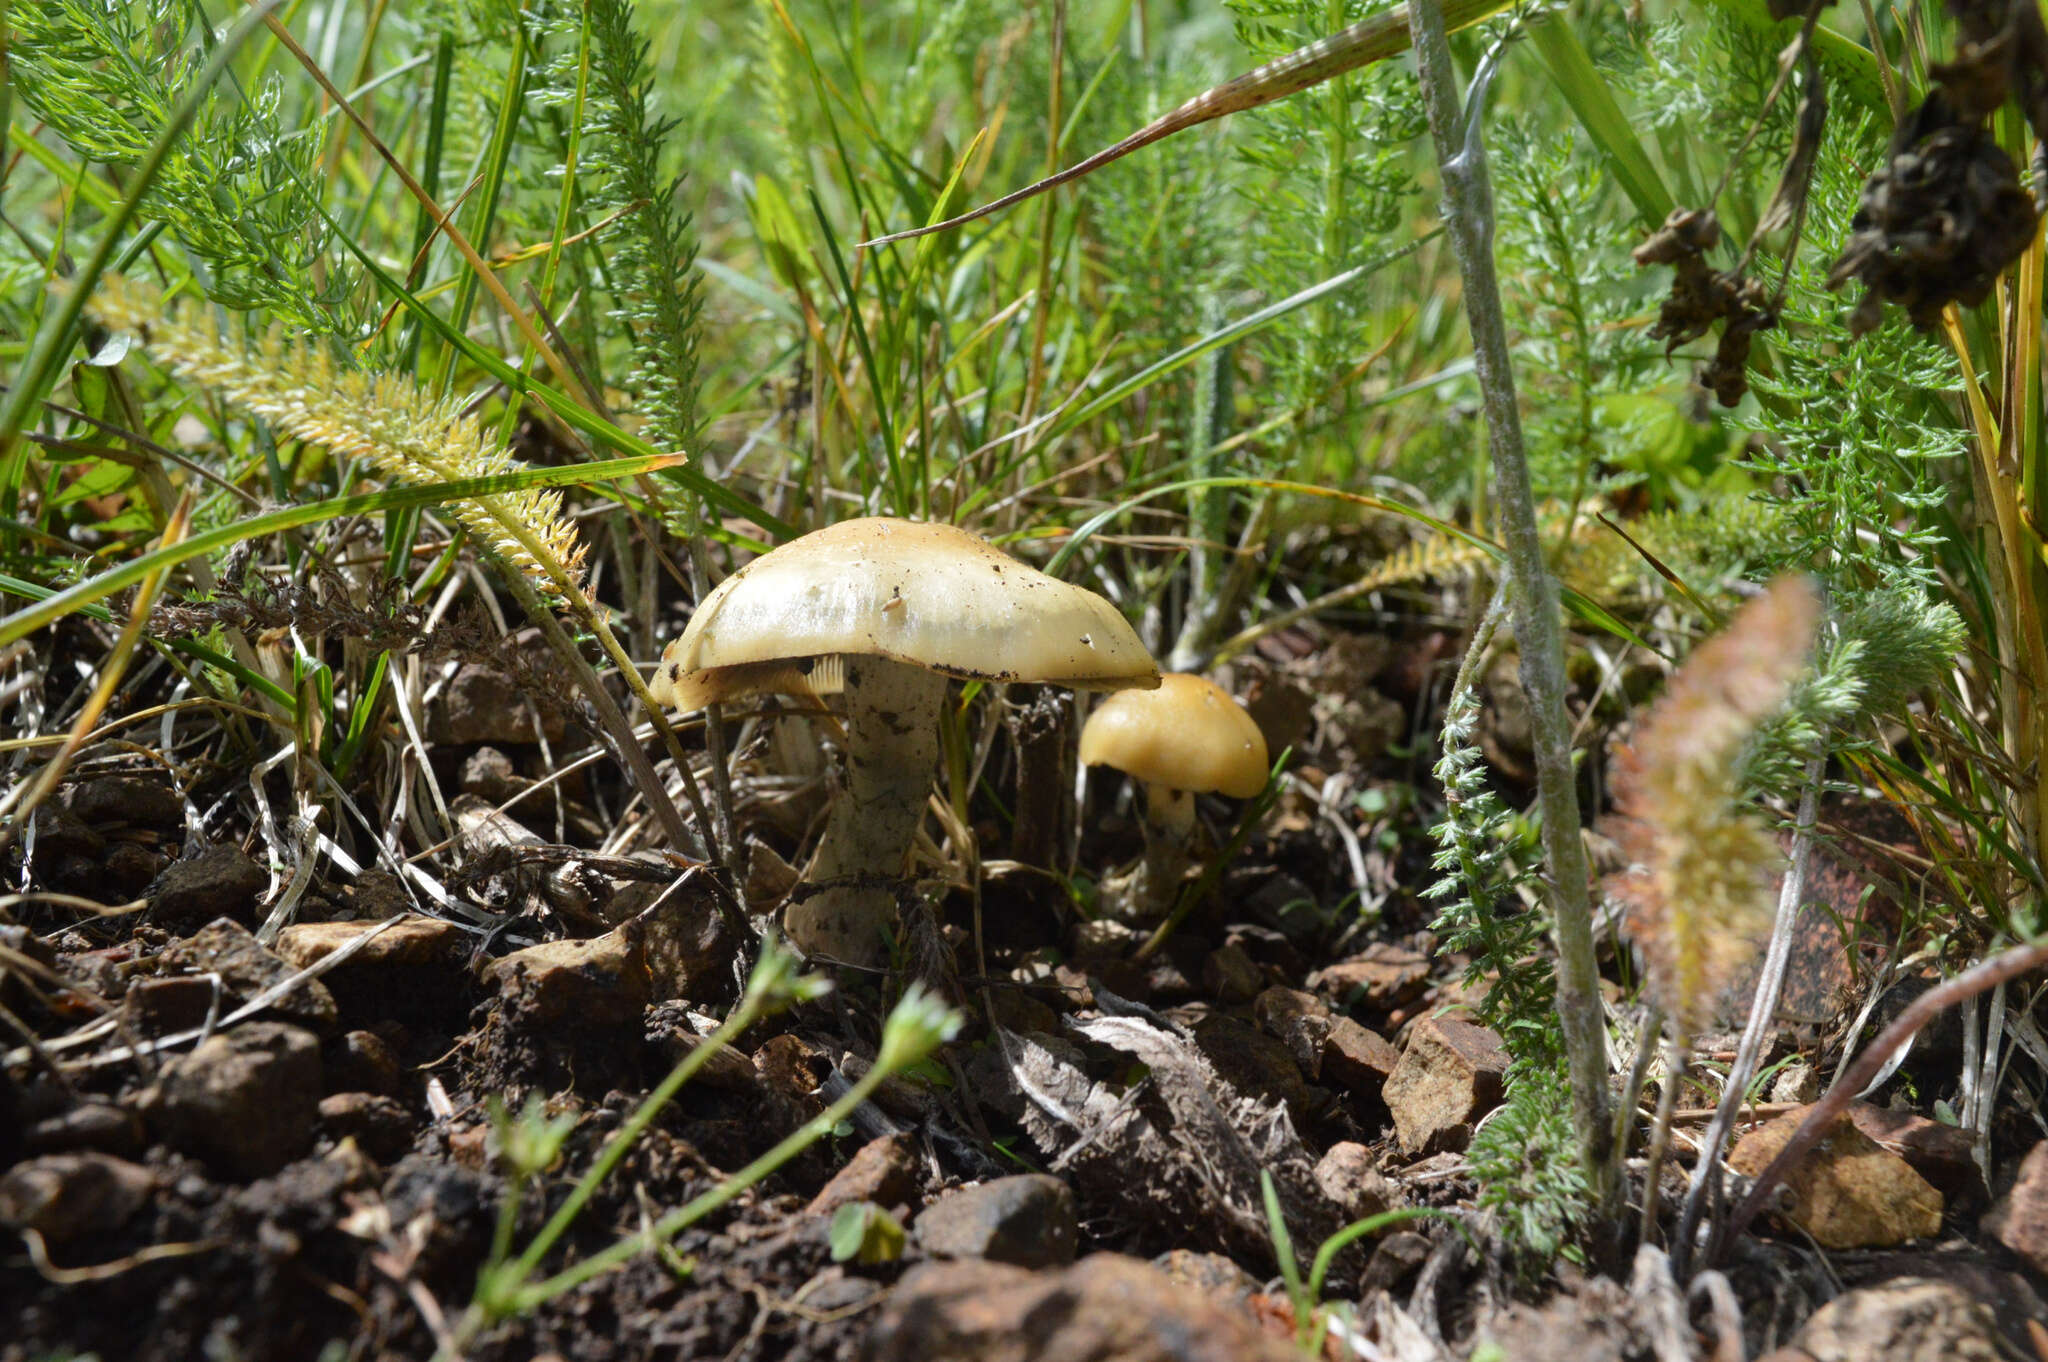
(241, 190)
(1525, 1158)
(1595, 414)
(1331, 178)
(1482, 859)
(652, 255)
(865, 1233)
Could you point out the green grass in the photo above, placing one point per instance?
(1215, 378)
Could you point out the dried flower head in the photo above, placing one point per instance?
(400, 429)
(1699, 903)
(1938, 222)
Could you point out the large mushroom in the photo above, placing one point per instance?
(1185, 738)
(883, 611)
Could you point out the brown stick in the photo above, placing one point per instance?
(1375, 39)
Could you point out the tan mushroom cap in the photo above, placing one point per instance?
(932, 595)
(1187, 735)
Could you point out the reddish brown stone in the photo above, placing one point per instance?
(1356, 1059)
(2020, 1219)
(1942, 1154)
(1105, 1308)
(1381, 977)
(1450, 1075)
(884, 1172)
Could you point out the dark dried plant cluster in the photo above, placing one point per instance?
(1702, 295)
(1947, 213)
(379, 614)
(1936, 224)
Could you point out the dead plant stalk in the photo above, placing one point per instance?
(1468, 199)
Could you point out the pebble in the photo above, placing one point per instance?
(1028, 1220)
(1849, 1191)
(245, 1101)
(1105, 1308)
(73, 1196)
(1450, 1075)
(217, 882)
(1907, 1319)
(2019, 1220)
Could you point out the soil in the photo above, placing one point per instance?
(320, 1176)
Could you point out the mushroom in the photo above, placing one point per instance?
(1186, 738)
(884, 611)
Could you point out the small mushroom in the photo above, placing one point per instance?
(1186, 738)
(884, 611)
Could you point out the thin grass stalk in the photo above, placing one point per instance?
(1763, 1009)
(1461, 159)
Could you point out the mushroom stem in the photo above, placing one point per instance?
(1169, 825)
(892, 744)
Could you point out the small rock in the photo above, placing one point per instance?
(61, 834)
(2019, 1220)
(1257, 1065)
(1231, 976)
(1380, 978)
(414, 940)
(1358, 727)
(1105, 1308)
(600, 981)
(1356, 1059)
(98, 1126)
(71, 1196)
(1300, 1021)
(1167, 979)
(485, 705)
(1943, 1154)
(159, 1007)
(1907, 1319)
(1348, 1178)
(381, 1127)
(114, 802)
(1796, 1082)
(218, 882)
(1393, 1259)
(126, 868)
(1027, 1220)
(672, 1031)
(1848, 1192)
(1103, 936)
(246, 1100)
(377, 894)
(791, 1065)
(1449, 1076)
(1015, 1009)
(489, 774)
(1212, 1274)
(884, 1172)
(228, 950)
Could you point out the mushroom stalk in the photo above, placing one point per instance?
(892, 744)
(1169, 827)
